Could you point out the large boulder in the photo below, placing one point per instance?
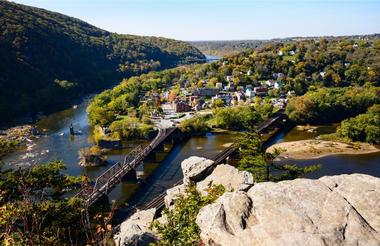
(135, 230)
(230, 177)
(195, 169)
(338, 210)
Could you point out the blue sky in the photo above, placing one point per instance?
(225, 19)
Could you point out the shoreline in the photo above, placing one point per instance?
(315, 149)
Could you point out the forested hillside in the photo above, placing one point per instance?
(228, 47)
(49, 58)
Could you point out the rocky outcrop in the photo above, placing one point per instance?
(195, 169)
(135, 230)
(172, 193)
(229, 177)
(337, 210)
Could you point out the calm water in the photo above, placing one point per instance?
(164, 170)
(57, 144)
(336, 164)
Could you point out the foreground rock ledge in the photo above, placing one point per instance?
(337, 210)
(135, 230)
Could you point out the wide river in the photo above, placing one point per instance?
(162, 172)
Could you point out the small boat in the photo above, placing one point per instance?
(75, 106)
(62, 134)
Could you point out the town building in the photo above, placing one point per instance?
(260, 90)
(278, 84)
(270, 83)
(180, 106)
(239, 96)
(206, 92)
(219, 85)
(249, 93)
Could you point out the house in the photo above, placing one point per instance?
(322, 74)
(180, 106)
(249, 73)
(239, 96)
(156, 99)
(280, 53)
(165, 94)
(278, 84)
(219, 85)
(278, 75)
(260, 90)
(226, 97)
(206, 92)
(279, 102)
(231, 86)
(229, 78)
(193, 100)
(292, 53)
(249, 93)
(270, 83)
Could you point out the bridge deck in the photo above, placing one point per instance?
(112, 176)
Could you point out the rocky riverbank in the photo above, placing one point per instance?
(335, 210)
(311, 149)
(16, 137)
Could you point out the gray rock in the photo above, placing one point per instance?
(172, 193)
(195, 169)
(135, 230)
(338, 210)
(230, 177)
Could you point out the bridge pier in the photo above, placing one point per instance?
(130, 176)
(103, 203)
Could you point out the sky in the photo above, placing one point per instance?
(224, 19)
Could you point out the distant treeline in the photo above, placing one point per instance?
(230, 47)
(223, 48)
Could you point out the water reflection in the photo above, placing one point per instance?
(335, 164)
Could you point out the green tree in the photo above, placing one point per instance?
(260, 163)
(180, 227)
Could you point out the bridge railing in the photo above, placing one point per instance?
(113, 174)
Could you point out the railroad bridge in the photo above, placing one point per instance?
(112, 176)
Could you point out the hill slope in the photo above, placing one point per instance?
(49, 58)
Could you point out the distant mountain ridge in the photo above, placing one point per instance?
(48, 58)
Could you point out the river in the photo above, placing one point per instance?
(162, 172)
(334, 164)
(57, 144)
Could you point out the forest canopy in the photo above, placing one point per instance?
(49, 58)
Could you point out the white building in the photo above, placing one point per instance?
(249, 93)
(278, 84)
(219, 85)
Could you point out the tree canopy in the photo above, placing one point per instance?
(49, 58)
